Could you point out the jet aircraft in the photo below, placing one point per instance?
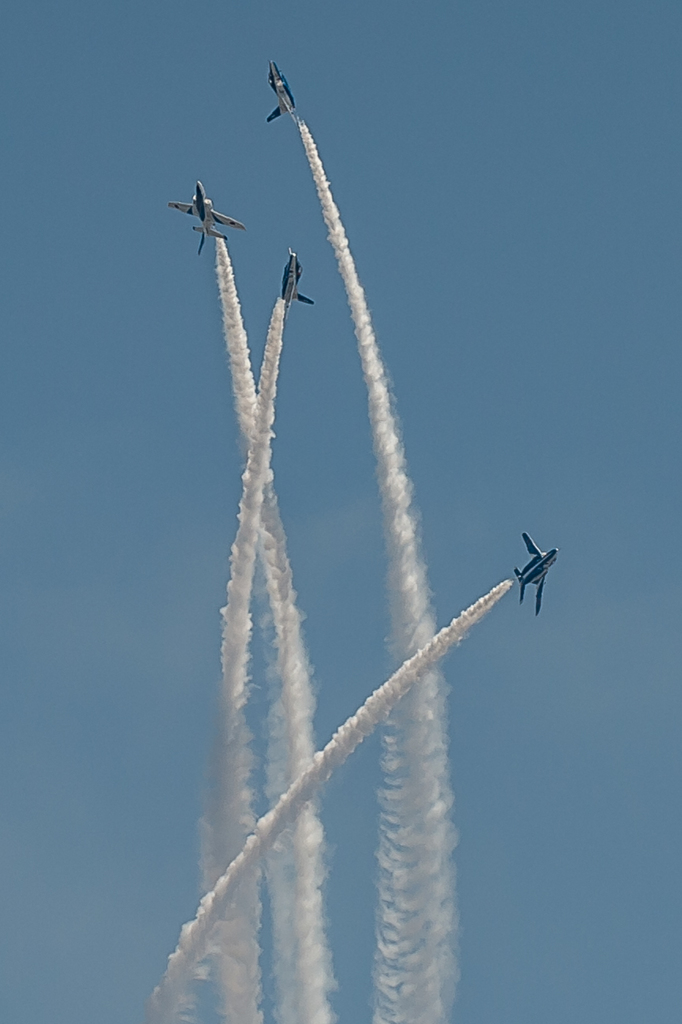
(292, 273)
(280, 86)
(536, 570)
(202, 207)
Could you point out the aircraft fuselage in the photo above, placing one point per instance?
(536, 570)
(200, 202)
(292, 272)
(538, 567)
(290, 279)
(285, 98)
(202, 207)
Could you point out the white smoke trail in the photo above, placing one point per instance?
(243, 384)
(302, 957)
(164, 1003)
(304, 969)
(234, 946)
(415, 968)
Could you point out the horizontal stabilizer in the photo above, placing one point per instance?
(211, 231)
(276, 112)
(302, 298)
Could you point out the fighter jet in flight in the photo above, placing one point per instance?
(536, 570)
(202, 207)
(292, 273)
(280, 86)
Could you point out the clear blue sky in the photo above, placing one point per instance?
(509, 174)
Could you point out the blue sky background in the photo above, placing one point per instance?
(509, 175)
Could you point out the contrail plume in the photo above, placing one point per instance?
(295, 875)
(303, 963)
(415, 968)
(164, 1004)
(243, 384)
(229, 816)
(411, 611)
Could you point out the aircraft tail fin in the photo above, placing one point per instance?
(521, 584)
(276, 112)
(303, 298)
(538, 597)
(201, 244)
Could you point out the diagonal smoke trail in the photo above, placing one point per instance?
(296, 872)
(229, 816)
(415, 969)
(164, 1003)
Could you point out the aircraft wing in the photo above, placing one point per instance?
(182, 207)
(227, 221)
(532, 547)
(538, 595)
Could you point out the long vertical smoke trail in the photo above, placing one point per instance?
(303, 965)
(229, 815)
(243, 384)
(302, 958)
(415, 969)
(163, 1004)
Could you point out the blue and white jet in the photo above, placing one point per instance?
(280, 86)
(536, 570)
(202, 207)
(292, 273)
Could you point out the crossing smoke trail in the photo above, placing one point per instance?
(164, 1002)
(295, 873)
(234, 946)
(415, 968)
